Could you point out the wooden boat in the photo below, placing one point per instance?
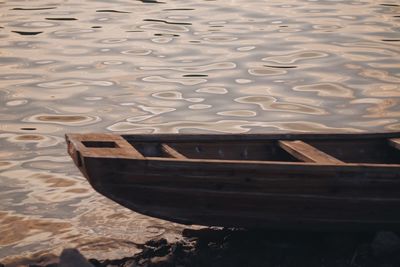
(298, 181)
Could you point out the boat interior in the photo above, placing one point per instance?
(373, 151)
(380, 150)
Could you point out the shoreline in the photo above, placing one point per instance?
(238, 247)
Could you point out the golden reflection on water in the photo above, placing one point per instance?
(20, 231)
(146, 67)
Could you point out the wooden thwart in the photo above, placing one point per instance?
(395, 142)
(307, 153)
(172, 152)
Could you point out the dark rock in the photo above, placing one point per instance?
(143, 261)
(72, 257)
(95, 262)
(147, 252)
(156, 243)
(162, 251)
(201, 245)
(177, 249)
(161, 262)
(130, 263)
(385, 243)
(105, 263)
(253, 248)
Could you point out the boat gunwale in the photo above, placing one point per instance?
(192, 137)
(228, 137)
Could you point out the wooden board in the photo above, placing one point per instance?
(304, 152)
(100, 145)
(172, 152)
(395, 142)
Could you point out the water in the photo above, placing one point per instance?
(151, 66)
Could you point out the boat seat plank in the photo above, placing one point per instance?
(395, 142)
(172, 152)
(307, 153)
(103, 145)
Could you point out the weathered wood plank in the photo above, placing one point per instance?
(263, 204)
(326, 186)
(305, 152)
(395, 142)
(103, 145)
(172, 152)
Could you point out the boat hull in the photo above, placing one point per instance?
(315, 196)
(321, 198)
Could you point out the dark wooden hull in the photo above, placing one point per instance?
(245, 193)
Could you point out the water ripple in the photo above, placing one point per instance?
(327, 89)
(73, 120)
(272, 104)
(160, 79)
(152, 66)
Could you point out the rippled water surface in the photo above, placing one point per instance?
(149, 66)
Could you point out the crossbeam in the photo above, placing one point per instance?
(172, 152)
(395, 142)
(307, 153)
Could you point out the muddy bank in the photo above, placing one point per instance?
(234, 247)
